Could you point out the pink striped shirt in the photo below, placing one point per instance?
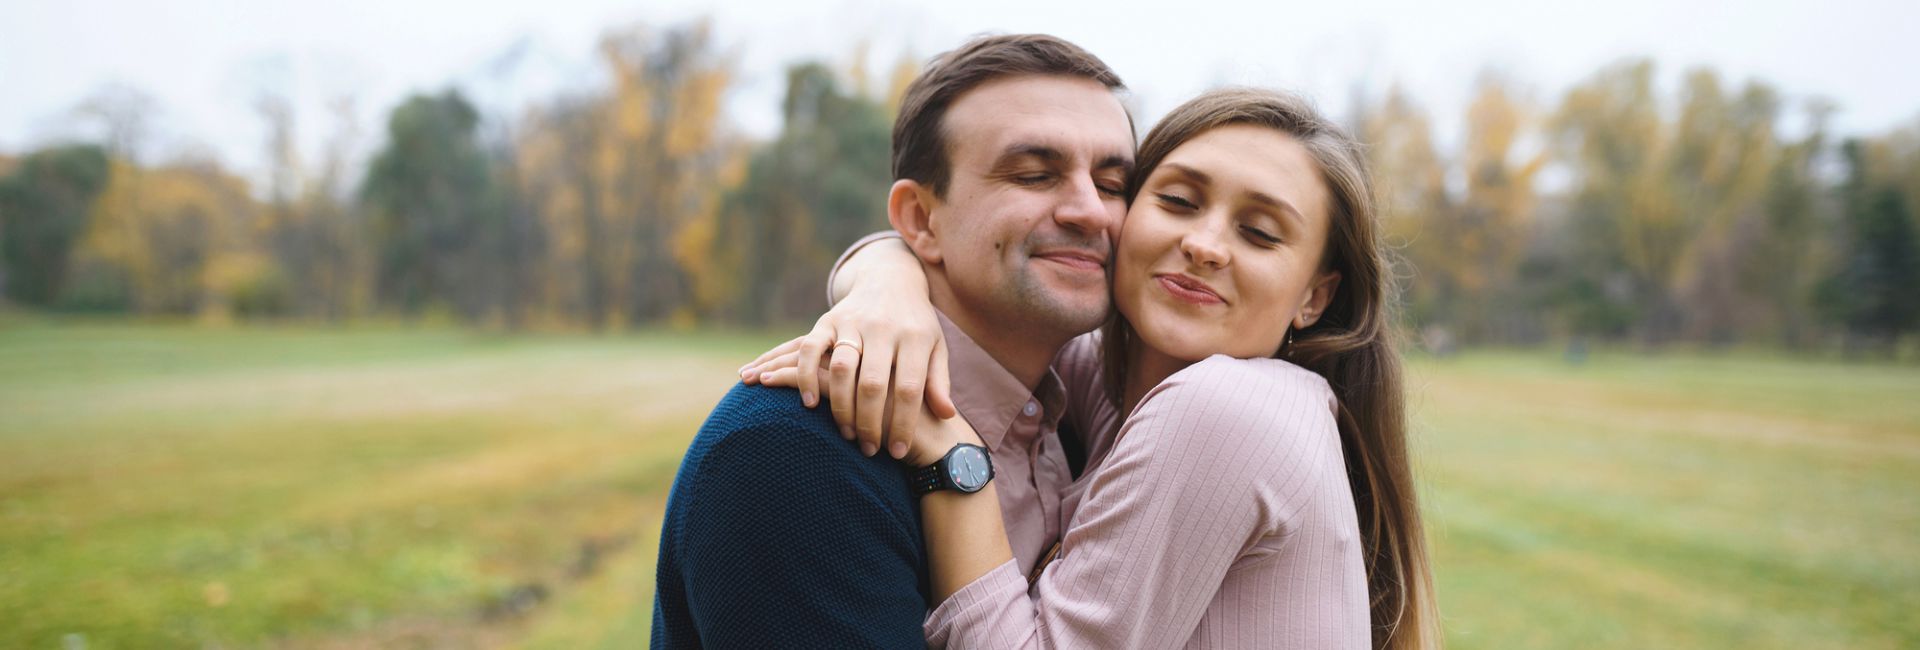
(1217, 516)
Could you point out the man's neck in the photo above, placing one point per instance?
(1024, 354)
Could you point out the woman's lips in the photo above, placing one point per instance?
(1189, 290)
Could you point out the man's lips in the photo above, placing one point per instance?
(1082, 260)
(1189, 289)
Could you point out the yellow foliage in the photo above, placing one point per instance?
(696, 113)
(175, 232)
(714, 281)
(904, 72)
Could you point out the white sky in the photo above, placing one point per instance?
(203, 61)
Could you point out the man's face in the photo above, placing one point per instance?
(1035, 200)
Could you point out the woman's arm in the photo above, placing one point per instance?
(1218, 457)
(876, 258)
(965, 535)
(882, 344)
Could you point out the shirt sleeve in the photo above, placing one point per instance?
(789, 541)
(855, 248)
(1213, 460)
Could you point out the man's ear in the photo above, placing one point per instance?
(1318, 297)
(910, 210)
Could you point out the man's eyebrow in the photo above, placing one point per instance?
(1019, 150)
(1123, 163)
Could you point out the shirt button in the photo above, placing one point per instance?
(1032, 408)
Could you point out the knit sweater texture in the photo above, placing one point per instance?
(778, 533)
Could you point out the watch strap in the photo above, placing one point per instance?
(931, 478)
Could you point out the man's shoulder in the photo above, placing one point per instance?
(756, 429)
(752, 409)
(779, 533)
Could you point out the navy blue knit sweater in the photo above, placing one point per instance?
(779, 534)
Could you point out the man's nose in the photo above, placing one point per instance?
(1082, 208)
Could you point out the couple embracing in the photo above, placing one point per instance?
(1081, 396)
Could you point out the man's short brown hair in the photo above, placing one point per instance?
(919, 138)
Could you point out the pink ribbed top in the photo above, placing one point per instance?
(1216, 516)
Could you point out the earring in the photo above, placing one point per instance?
(1286, 346)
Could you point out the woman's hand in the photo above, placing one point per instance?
(883, 349)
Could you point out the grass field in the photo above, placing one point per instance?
(168, 486)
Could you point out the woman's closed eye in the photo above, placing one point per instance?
(1176, 202)
(1260, 236)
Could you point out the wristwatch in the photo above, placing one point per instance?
(965, 468)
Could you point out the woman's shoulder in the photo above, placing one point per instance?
(1243, 403)
(1264, 427)
(1255, 385)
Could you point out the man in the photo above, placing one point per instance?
(1010, 157)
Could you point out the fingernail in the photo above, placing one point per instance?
(867, 449)
(765, 377)
(806, 397)
(845, 434)
(899, 450)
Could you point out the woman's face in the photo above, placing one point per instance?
(1221, 249)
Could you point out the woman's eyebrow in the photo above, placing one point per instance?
(1195, 174)
(1277, 204)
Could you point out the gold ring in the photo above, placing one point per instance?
(849, 343)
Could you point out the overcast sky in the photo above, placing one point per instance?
(203, 61)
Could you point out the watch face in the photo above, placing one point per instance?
(969, 468)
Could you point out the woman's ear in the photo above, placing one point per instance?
(910, 210)
(1319, 295)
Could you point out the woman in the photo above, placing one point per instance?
(1257, 492)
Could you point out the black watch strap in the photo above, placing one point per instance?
(931, 478)
(963, 464)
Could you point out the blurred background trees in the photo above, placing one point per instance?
(45, 205)
(1717, 212)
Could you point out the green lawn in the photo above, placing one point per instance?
(309, 487)
(1672, 502)
(338, 488)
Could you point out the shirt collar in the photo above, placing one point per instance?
(990, 397)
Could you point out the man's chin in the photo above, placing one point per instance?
(1081, 316)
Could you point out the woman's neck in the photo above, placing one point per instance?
(1146, 368)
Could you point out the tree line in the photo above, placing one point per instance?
(1720, 214)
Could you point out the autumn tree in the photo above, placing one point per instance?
(1463, 240)
(1410, 178)
(819, 186)
(1788, 236)
(1494, 218)
(615, 177)
(1627, 230)
(179, 240)
(316, 234)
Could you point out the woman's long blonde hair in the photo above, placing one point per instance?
(1351, 345)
